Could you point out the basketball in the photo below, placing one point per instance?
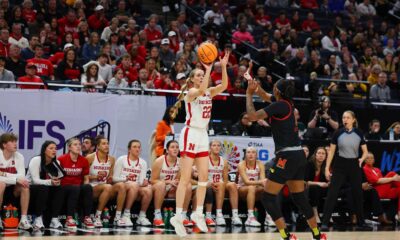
(207, 52)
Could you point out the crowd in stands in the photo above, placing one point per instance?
(87, 42)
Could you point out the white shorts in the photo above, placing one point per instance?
(193, 142)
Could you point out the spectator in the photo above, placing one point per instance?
(12, 176)
(173, 40)
(118, 81)
(358, 90)
(82, 36)
(16, 36)
(348, 66)
(380, 91)
(306, 150)
(309, 4)
(395, 127)
(282, 21)
(297, 65)
(242, 35)
(187, 53)
(68, 69)
(59, 56)
(105, 69)
(387, 186)
(324, 117)
(28, 13)
(4, 44)
(106, 51)
(277, 3)
(295, 22)
(309, 24)
(167, 57)
(316, 180)
(5, 75)
(374, 132)
(15, 63)
(165, 82)
(117, 48)
(214, 15)
(16, 17)
(31, 77)
(91, 78)
(91, 49)
(97, 21)
(44, 67)
(69, 23)
(216, 75)
(263, 20)
(155, 55)
(153, 34)
(151, 68)
(366, 9)
(264, 79)
(164, 128)
(366, 59)
(330, 42)
(336, 6)
(315, 64)
(130, 73)
(122, 12)
(113, 28)
(88, 145)
(183, 28)
(143, 79)
(237, 87)
(389, 64)
(389, 47)
(244, 127)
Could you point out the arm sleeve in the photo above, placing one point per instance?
(143, 173)
(34, 169)
(117, 171)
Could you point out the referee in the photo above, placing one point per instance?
(346, 167)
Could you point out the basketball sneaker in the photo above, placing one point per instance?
(87, 223)
(210, 221)
(268, 221)
(119, 222)
(200, 221)
(24, 225)
(38, 223)
(220, 221)
(97, 222)
(158, 223)
(55, 223)
(236, 221)
(127, 220)
(143, 221)
(291, 237)
(187, 223)
(177, 222)
(252, 222)
(322, 236)
(70, 223)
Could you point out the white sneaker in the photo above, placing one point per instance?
(127, 220)
(97, 222)
(143, 221)
(177, 222)
(220, 221)
(119, 222)
(252, 222)
(55, 223)
(236, 221)
(200, 221)
(38, 223)
(25, 225)
(397, 217)
(268, 221)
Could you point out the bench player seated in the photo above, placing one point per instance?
(165, 179)
(131, 170)
(218, 183)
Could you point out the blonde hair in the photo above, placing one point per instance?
(392, 126)
(181, 95)
(353, 115)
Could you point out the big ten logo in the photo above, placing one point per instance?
(262, 154)
(29, 130)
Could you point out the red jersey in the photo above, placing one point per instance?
(4, 49)
(232, 58)
(74, 171)
(373, 175)
(35, 79)
(153, 34)
(29, 15)
(57, 58)
(311, 24)
(44, 66)
(131, 73)
(65, 26)
(160, 84)
(95, 23)
(216, 78)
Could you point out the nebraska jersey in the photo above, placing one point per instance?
(253, 174)
(74, 171)
(198, 112)
(132, 170)
(216, 172)
(100, 169)
(169, 172)
(44, 67)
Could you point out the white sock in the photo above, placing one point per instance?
(250, 213)
(54, 219)
(127, 212)
(118, 214)
(157, 214)
(142, 214)
(23, 218)
(208, 215)
(219, 212)
(199, 210)
(178, 212)
(184, 214)
(98, 214)
(235, 212)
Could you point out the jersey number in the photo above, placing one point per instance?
(169, 177)
(132, 177)
(206, 111)
(216, 178)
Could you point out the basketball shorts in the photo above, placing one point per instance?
(288, 165)
(193, 142)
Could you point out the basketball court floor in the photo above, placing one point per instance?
(215, 233)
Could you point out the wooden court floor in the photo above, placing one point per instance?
(393, 235)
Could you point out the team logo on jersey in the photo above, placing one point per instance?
(5, 125)
(230, 152)
(191, 146)
(281, 163)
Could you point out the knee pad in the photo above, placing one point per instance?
(270, 202)
(209, 196)
(301, 202)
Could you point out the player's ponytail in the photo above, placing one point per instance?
(181, 95)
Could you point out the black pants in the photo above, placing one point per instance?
(71, 194)
(316, 194)
(345, 169)
(41, 196)
(209, 195)
(371, 198)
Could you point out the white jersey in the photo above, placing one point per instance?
(216, 172)
(253, 174)
(198, 112)
(13, 168)
(169, 172)
(130, 170)
(100, 169)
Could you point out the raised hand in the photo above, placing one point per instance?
(252, 86)
(247, 74)
(225, 60)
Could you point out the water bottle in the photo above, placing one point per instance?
(165, 216)
(391, 135)
(15, 212)
(106, 218)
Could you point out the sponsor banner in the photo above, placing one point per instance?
(36, 116)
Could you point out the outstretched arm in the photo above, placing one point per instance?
(252, 114)
(224, 84)
(259, 90)
(193, 93)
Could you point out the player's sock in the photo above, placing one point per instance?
(219, 212)
(157, 214)
(250, 213)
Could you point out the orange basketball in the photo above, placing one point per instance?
(207, 52)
